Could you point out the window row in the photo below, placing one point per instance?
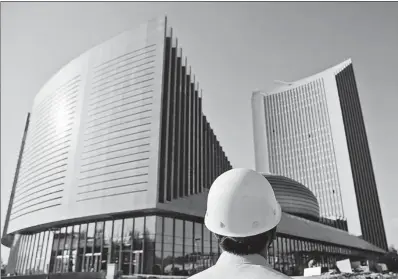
(152, 245)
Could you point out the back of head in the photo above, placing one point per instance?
(241, 206)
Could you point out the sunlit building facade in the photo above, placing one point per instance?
(115, 166)
(313, 131)
(113, 138)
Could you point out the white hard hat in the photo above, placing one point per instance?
(241, 203)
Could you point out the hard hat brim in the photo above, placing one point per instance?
(215, 227)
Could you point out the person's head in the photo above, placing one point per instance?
(242, 212)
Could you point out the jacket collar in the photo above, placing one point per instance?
(229, 258)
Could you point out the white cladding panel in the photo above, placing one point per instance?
(93, 140)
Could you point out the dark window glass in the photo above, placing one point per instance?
(116, 240)
(178, 247)
(127, 250)
(80, 265)
(74, 248)
(48, 253)
(149, 245)
(36, 253)
(150, 226)
(168, 245)
(198, 248)
(21, 253)
(32, 254)
(138, 245)
(158, 246)
(25, 253)
(43, 253)
(284, 255)
(60, 260)
(66, 253)
(28, 255)
(278, 258)
(214, 249)
(54, 251)
(107, 246)
(288, 257)
(188, 247)
(39, 249)
(206, 248)
(96, 258)
(89, 258)
(271, 254)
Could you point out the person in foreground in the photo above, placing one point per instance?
(243, 213)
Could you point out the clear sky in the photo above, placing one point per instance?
(233, 48)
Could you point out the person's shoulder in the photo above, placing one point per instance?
(272, 273)
(203, 274)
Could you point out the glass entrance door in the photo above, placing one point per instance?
(92, 262)
(138, 263)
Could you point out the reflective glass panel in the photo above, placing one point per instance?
(158, 246)
(149, 245)
(67, 257)
(33, 254)
(80, 265)
(206, 248)
(20, 254)
(106, 249)
(150, 226)
(116, 241)
(138, 233)
(74, 246)
(199, 262)
(48, 252)
(188, 247)
(214, 249)
(168, 246)
(89, 258)
(29, 255)
(54, 251)
(39, 253)
(127, 249)
(97, 263)
(24, 254)
(138, 245)
(60, 260)
(178, 247)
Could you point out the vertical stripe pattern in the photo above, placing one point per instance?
(191, 157)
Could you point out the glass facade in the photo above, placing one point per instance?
(155, 245)
(140, 245)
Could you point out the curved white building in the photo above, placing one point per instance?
(312, 131)
(93, 139)
(115, 166)
(118, 132)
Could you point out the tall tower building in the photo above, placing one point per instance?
(313, 131)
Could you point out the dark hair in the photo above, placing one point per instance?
(247, 245)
